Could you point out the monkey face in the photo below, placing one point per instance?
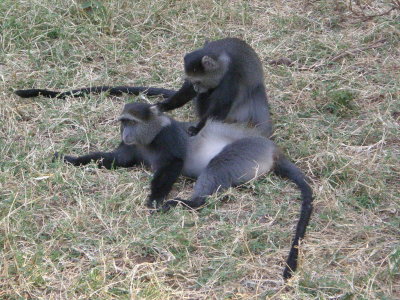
(128, 131)
(140, 123)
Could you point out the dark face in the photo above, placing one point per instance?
(128, 130)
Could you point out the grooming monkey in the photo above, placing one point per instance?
(225, 78)
(220, 156)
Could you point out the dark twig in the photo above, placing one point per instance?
(395, 5)
(335, 58)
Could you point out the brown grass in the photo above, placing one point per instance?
(69, 233)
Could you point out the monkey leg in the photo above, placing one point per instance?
(207, 184)
(162, 182)
(179, 98)
(124, 156)
(237, 163)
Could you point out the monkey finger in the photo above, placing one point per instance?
(153, 211)
(166, 207)
(160, 106)
(193, 130)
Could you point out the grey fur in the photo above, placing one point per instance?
(231, 152)
(214, 72)
(237, 163)
(225, 79)
(215, 137)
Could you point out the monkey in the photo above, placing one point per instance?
(221, 155)
(224, 78)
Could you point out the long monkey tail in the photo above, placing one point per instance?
(285, 168)
(113, 91)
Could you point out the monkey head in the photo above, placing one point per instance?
(140, 123)
(205, 70)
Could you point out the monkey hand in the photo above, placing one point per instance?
(66, 158)
(193, 130)
(161, 107)
(56, 156)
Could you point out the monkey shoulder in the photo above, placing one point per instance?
(171, 141)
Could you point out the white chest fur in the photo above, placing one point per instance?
(210, 141)
(201, 150)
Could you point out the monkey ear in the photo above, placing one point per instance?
(209, 63)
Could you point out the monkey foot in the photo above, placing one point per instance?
(189, 204)
(168, 204)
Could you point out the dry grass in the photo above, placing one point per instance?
(70, 233)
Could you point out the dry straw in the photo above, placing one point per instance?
(73, 233)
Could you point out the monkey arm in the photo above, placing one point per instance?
(217, 111)
(163, 180)
(180, 98)
(194, 130)
(221, 100)
(124, 156)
